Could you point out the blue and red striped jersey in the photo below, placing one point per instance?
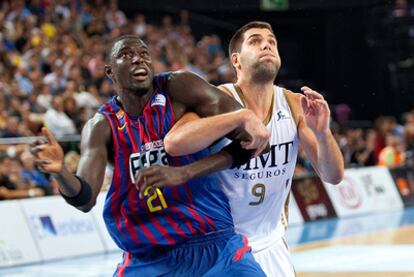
(167, 216)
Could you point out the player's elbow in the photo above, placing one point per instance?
(172, 146)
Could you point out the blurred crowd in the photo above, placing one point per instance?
(52, 55)
(386, 143)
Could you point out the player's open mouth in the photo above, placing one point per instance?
(140, 74)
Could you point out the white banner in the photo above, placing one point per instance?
(61, 230)
(97, 212)
(364, 190)
(17, 245)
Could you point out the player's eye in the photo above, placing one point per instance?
(254, 41)
(126, 55)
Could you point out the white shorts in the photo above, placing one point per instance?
(275, 260)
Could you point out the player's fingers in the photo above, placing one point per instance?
(313, 108)
(36, 143)
(43, 165)
(50, 138)
(244, 143)
(304, 103)
(143, 187)
(321, 102)
(154, 179)
(139, 181)
(35, 150)
(304, 88)
(42, 162)
(259, 140)
(313, 94)
(148, 181)
(249, 144)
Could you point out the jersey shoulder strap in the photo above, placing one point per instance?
(293, 105)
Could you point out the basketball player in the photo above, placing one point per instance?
(180, 231)
(259, 190)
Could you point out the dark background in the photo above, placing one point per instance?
(353, 52)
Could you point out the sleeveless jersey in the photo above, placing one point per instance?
(259, 189)
(164, 217)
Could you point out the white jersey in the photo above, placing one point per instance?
(259, 189)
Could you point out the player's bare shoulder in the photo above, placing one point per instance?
(96, 130)
(293, 96)
(179, 81)
(294, 100)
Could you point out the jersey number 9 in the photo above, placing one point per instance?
(258, 190)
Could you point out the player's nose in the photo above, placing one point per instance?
(137, 59)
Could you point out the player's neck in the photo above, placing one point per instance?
(258, 97)
(133, 104)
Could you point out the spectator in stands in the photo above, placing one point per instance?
(71, 109)
(31, 175)
(402, 8)
(57, 121)
(56, 79)
(409, 137)
(409, 131)
(393, 155)
(11, 184)
(12, 127)
(383, 126)
(364, 152)
(140, 26)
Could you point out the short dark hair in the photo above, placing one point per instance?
(237, 39)
(111, 46)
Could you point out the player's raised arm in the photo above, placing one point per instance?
(79, 190)
(316, 137)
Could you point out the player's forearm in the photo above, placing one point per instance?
(330, 160)
(69, 185)
(76, 191)
(198, 134)
(214, 163)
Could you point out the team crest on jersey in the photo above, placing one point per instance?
(120, 114)
(143, 159)
(282, 115)
(159, 100)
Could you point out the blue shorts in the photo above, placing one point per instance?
(221, 253)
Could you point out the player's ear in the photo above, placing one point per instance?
(235, 60)
(108, 71)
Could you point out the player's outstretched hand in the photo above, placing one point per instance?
(158, 176)
(316, 111)
(48, 155)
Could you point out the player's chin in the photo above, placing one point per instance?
(141, 87)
